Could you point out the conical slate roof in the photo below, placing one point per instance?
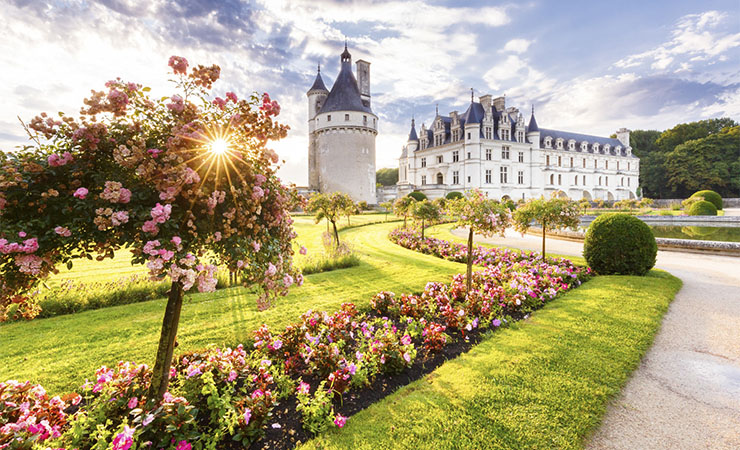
(532, 123)
(318, 84)
(474, 114)
(345, 95)
(412, 135)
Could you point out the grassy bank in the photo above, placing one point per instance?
(543, 383)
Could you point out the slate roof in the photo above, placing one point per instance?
(474, 114)
(318, 84)
(345, 95)
(566, 136)
(532, 123)
(412, 135)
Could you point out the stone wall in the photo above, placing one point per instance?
(667, 202)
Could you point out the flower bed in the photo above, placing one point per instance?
(295, 382)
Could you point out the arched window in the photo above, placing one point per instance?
(575, 180)
(440, 179)
(560, 179)
(599, 181)
(552, 178)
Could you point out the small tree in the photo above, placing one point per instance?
(426, 212)
(330, 207)
(350, 210)
(584, 204)
(186, 182)
(551, 214)
(387, 207)
(403, 207)
(481, 215)
(646, 202)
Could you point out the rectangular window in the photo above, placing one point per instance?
(489, 154)
(521, 157)
(455, 156)
(364, 120)
(547, 160)
(560, 179)
(571, 162)
(617, 165)
(468, 179)
(606, 181)
(505, 152)
(423, 162)
(628, 166)
(346, 117)
(584, 180)
(584, 163)
(488, 177)
(440, 159)
(596, 164)
(520, 177)
(468, 155)
(328, 118)
(468, 135)
(455, 177)
(606, 165)
(560, 161)
(504, 173)
(628, 181)
(423, 179)
(488, 133)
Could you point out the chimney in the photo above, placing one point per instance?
(363, 81)
(499, 103)
(485, 101)
(623, 135)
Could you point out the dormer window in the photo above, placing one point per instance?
(559, 144)
(571, 145)
(596, 147)
(584, 146)
(606, 148)
(618, 149)
(548, 142)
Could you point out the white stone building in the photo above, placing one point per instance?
(341, 133)
(490, 147)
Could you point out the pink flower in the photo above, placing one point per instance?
(177, 241)
(277, 344)
(147, 420)
(218, 101)
(176, 104)
(257, 193)
(287, 280)
(160, 213)
(193, 370)
(304, 388)
(58, 161)
(303, 250)
(154, 152)
(406, 339)
(407, 357)
(256, 246)
(247, 416)
(62, 231)
(133, 403)
(231, 96)
(81, 193)
(151, 227)
(184, 445)
(119, 218)
(271, 270)
(124, 440)
(179, 64)
(232, 376)
(259, 179)
(340, 420)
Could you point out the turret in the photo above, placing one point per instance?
(533, 131)
(316, 95)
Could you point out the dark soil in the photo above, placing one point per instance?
(291, 432)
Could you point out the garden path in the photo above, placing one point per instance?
(685, 394)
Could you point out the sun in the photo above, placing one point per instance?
(219, 146)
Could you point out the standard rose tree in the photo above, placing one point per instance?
(552, 214)
(330, 207)
(404, 206)
(186, 183)
(426, 213)
(481, 215)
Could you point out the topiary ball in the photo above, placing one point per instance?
(418, 196)
(619, 244)
(711, 197)
(702, 208)
(454, 195)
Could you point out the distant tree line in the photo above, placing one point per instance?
(387, 177)
(689, 157)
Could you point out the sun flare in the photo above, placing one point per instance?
(219, 146)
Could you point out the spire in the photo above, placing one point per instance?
(319, 68)
(318, 83)
(412, 134)
(532, 122)
(346, 57)
(436, 109)
(471, 95)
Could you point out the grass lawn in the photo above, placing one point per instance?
(60, 352)
(543, 383)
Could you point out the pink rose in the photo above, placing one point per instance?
(340, 420)
(133, 403)
(62, 231)
(179, 64)
(81, 193)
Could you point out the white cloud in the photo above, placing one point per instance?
(518, 45)
(693, 37)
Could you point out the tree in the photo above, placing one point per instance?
(481, 215)
(426, 212)
(387, 207)
(350, 210)
(387, 177)
(685, 132)
(403, 206)
(330, 207)
(712, 162)
(551, 214)
(185, 182)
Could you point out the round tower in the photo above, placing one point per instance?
(344, 128)
(316, 97)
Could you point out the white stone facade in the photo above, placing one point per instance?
(489, 147)
(342, 130)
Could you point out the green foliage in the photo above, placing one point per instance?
(331, 207)
(317, 410)
(403, 207)
(551, 214)
(702, 208)
(685, 132)
(711, 197)
(418, 196)
(427, 213)
(387, 176)
(454, 195)
(619, 244)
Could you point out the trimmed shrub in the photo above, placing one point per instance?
(711, 197)
(619, 244)
(418, 196)
(702, 208)
(454, 195)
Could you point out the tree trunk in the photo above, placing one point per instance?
(404, 222)
(469, 277)
(336, 234)
(543, 240)
(161, 371)
(422, 230)
(348, 224)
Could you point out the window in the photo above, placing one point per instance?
(423, 179)
(617, 165)
(468, 155)
(489, 154)
(504, 175)
(584, 180)
(560, 179)
(599, 181)
(440, 179)
(547, 160)
(552, 179)
(373, 122)
(606, 165)
(364, 120)
(596, 163)
(584, 163)
(489, 134)
(521, 157)
(560, 144)
(505, 152)
(468, 178)
(621, 182)
(520, 136)
(520, 177)
(628, 181)
(328, 118)
(571, 162)
(440, 159)
(606, 181)
(571, 145)
(628, 166)
(346, 117)
(560, 161)
(423, 162)
(548, 142)
(455, 156)
(468, 135)
(455, 177)
(576, 180)
(488, 177)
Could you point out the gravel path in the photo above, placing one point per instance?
(685, 394)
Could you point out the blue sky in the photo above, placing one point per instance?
(587, 66)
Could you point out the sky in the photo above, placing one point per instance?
(586, 66)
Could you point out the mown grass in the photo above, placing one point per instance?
(60, 352)
(543, 383)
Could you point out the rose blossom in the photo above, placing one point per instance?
(81, 193)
